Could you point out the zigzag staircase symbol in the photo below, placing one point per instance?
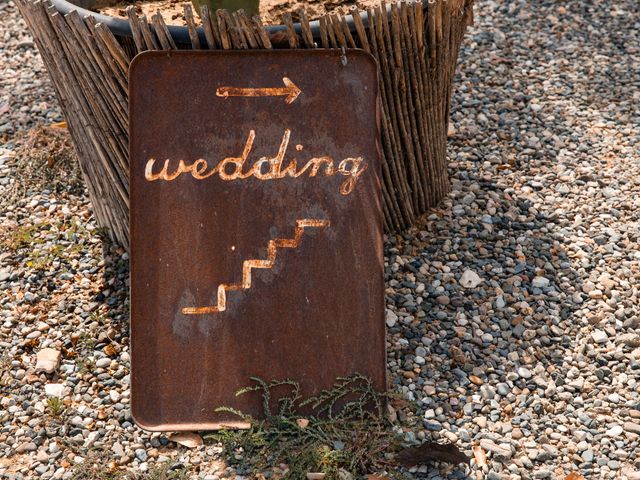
(248, 265)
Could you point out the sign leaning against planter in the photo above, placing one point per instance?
(256, 228)
(415, 43)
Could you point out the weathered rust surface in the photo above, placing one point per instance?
(256, 227)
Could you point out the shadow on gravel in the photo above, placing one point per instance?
(541, 212)
(115, 281)
(474, 357)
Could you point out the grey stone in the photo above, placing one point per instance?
(47, 360)
(525, 373)
(615, 431)
(587, 455)
(141, 454)
(501, 450)
(103, 362)
(629, 339)
(470, 279)
(391, 318)
(543, 474)
(631, 427)
(503, 389)
(599, 336)
(540, 282)
(54, 390)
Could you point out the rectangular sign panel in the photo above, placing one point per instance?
(256, 228)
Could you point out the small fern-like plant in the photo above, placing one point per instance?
(342, 428)
(55, 406)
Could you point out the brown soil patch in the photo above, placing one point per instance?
(270, 10)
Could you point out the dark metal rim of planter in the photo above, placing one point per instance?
(180, 34)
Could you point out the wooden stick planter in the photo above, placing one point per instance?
(415, 43)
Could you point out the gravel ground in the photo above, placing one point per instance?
(513, 309)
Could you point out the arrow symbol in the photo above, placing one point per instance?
(290, 90)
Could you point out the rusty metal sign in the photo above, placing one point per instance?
(256, 228)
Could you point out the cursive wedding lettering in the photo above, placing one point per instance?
(265, 168)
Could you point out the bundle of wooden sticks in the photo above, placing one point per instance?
(415, 43)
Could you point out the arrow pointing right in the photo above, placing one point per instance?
(290, 91)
